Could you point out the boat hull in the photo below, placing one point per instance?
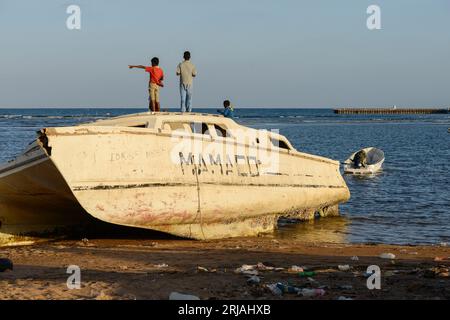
(35, 202)
(143, 178)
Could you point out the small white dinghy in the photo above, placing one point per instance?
(374, 162)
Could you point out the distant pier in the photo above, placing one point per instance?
(390, 111)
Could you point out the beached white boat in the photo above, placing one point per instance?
(192, 175)
(375, 159)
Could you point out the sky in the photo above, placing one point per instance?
(257, 53)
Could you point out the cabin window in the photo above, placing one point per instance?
(279, 144)
(220, 131)
(142, 125)
(199, 127)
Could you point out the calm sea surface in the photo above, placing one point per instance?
(408, 203)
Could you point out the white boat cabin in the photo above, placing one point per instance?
(201, 125)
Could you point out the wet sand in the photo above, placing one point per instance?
(152, 269)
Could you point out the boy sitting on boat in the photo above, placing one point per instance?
(228, 110)
(156, 78)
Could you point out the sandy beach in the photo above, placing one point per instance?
(152, 269)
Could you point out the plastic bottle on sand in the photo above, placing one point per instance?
(308, 293)
(181, 296)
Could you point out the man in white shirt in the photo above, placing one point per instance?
(186, 71)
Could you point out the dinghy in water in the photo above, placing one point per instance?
(192, 175)
(374, 162)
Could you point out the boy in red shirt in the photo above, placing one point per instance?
(156, 78)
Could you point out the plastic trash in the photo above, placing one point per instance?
(354, 258)
(440, 271)
(389, 256)
(278, 269)
(161, 265)
(253, 280)
(279, 288)
(305, 274)
(439, 258)
(261, 266)
(248, 269)
(182, 296)
(274, 289)
(311, 292)
(287, 288)
(295, 269)
(247, 272)
(244, 267)
(5, 264)
(343, 267)
(202, 269)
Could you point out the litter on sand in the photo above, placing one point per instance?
(161, 265)
(253, 280)
(274, 289)
(252, 269)
(295, 269)
(344, 267)
(308, 293)
(247, 269)
(306, 274)
(440, 258)
(389, 256)
(202, 269)
(182, 296)
(344, 298)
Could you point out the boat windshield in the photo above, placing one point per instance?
(279, 143)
